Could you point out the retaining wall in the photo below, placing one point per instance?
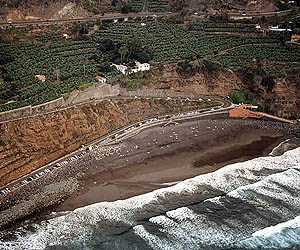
(15, 113)
(30, 110)
(48, 105)
(156, 93)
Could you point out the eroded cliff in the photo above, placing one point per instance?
(282, 98)
(30, 143)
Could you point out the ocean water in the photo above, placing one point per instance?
(249, 205)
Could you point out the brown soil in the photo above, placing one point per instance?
(222, 83)
(30, 143)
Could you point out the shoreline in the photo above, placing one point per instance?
(113, 177)
(162, 170)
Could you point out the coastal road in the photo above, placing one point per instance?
(84, 19)
(119, 15)
(108, 141)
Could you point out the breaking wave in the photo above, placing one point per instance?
(249, 205)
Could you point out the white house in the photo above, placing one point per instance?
(138, 67)
(101, 79)
(276, 28)
(121, 68)
(142, 66)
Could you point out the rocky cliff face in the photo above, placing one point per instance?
(30, 143)
(282, 100)
(261, 5)
(249, 5)
(217, 83)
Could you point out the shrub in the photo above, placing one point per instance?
(84, 86)
(238, 97)
(209, 66)
(268, 82)
(131, 85)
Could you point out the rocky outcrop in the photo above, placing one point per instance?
(282, 98)
(216, 83)
(261, 5)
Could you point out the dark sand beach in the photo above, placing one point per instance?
(162, 156)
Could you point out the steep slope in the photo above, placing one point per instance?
(283, 99)
(29, 143)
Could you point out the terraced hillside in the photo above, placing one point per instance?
(61, 61)
(221, 27)
(157, 5)
(278, 59)
(172, 42)
(69, 64)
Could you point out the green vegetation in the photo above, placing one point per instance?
(137, 5)
(170, 42)
(60, 62)
(71, 64)
(131, 85)
(157, 5)
(85, 85)
(279, 58)
(241, 97)
(126, 52)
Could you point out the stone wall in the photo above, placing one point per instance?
(30, 110)
(48, 105)
(15, 113)
(157, 93)
(96, 91)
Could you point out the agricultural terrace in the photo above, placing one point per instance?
(171, 42)
(278, 60)
(137, 5)
(60, 62)
(153, 5)
(69, 64)
(228, 27)
(157, 5)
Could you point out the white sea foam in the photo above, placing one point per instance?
(294, 223)
(284, 235)
(258, 183)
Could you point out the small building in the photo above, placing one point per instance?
(138, 67)
(121, 68)
(66, 36)
(276, 28)
(42, 78)
(101, 79)
(295, 38)
(142, 66)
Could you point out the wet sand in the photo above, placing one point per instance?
(162, 156)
